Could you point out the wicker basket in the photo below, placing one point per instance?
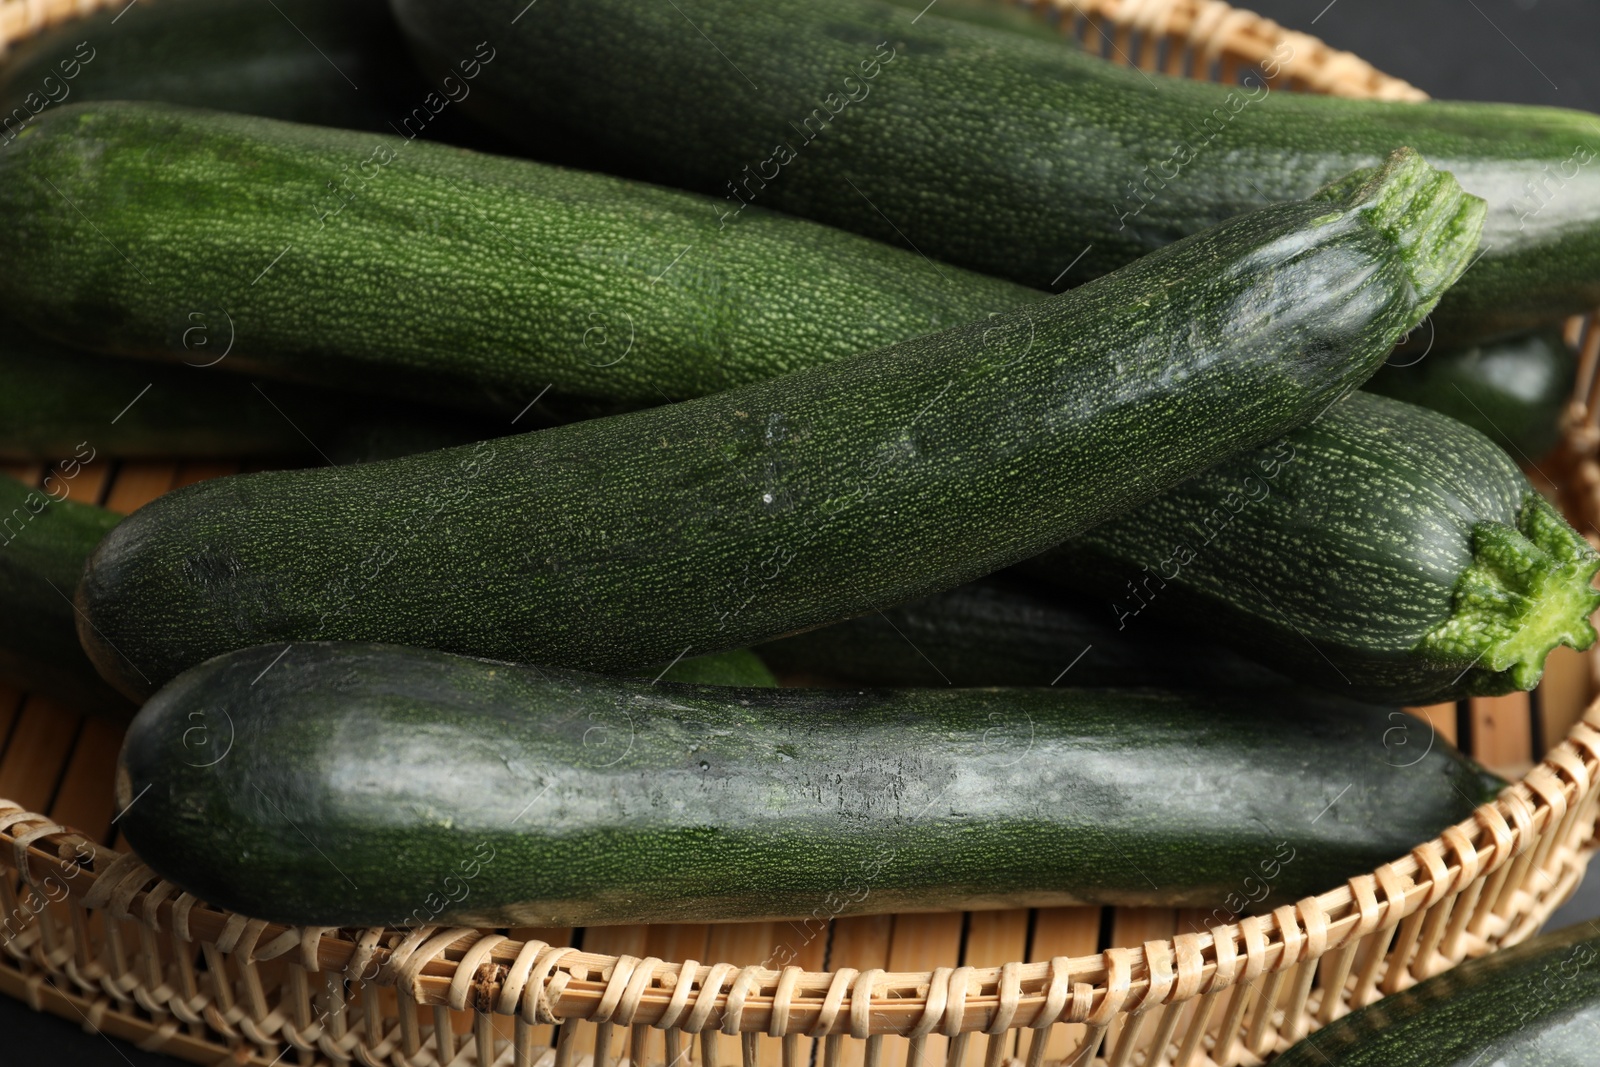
(91, 934)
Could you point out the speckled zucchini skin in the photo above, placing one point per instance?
(1006, 630)
(344, 784)
(1513, 390)
(1019, 157)
(617, 543)
(1334, 554)
(232, 55)
(45, 538)
(1536, 1004)
(446, 276)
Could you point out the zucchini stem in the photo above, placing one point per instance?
(1425, 212)
(1526, 591)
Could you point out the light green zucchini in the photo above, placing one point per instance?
(381, 264)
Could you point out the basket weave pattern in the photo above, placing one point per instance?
(90, 933)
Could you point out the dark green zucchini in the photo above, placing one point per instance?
(52, 398)
(347, 784)
(1384, 551)
(993, 150)
(1514, 390)
(381, 264)
(1006, 15)
(1536, 1004)
(1003, 630)
(340, 64)
(45, 538)
(769, 509)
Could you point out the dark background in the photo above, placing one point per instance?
(1528, 51)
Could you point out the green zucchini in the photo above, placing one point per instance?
(616, 543)
(54, 398)
(343, 784)
(1003, 630)
(45, 537)
(342, 64)
(1010, 16)
(1513, 391)
(740, 667)
(1536, 1004)
(445, 276)
(996, 151)
(1385, 551)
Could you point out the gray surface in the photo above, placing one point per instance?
(1527, 51)
(1530, 51)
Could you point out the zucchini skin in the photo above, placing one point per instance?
(446, 277)
(54, 398)
(617, 543)
(235, 55)
(45, 538)
(592, 800)
(1006, 154)
(1536, 1004)
(1513, 391)
(1004, 630)
(740, 667)
(1011, 17)
(1338, 554)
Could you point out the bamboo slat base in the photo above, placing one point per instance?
(90, 934)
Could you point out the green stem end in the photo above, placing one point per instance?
(1526, 591)
(1433, 222)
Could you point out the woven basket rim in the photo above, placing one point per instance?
(466, 968)
(1216, 30)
